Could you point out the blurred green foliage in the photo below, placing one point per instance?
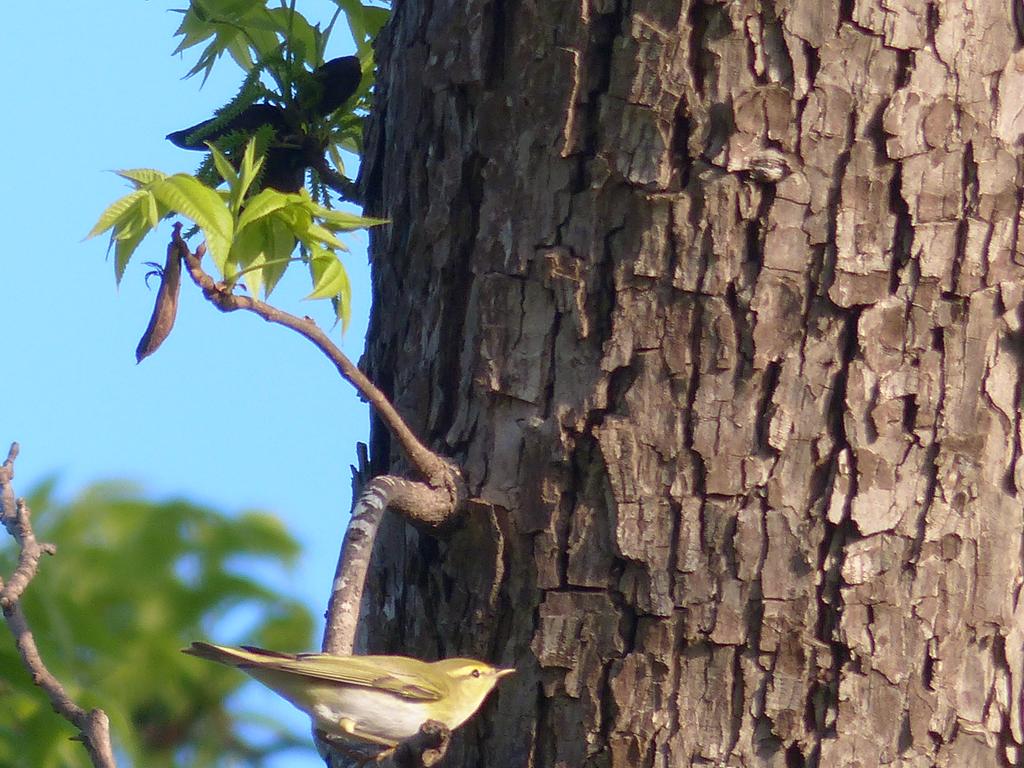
(132, 583)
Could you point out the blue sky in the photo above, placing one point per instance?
(230, 412)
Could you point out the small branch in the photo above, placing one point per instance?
(14, 514)
(336, 181)
(423, 750)
(93, 726)
(29, 554)
(418, 502)
(437, 472)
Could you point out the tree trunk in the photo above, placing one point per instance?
(719, 306)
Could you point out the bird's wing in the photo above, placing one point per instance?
(356, 670)
(325, 667)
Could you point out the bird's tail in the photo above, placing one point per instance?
(246, 656)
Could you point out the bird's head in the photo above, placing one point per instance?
(469, 682)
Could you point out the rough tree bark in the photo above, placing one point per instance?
(720, 306)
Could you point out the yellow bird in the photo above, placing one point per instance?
(378, 699)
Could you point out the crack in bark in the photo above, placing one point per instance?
(765, 409)
(968, 208)
(903, 232)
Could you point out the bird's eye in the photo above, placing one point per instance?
(475, 673)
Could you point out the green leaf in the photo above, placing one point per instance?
(183, 194)
(325, 236)
(238, 48)
(206, 60)
(341, 221)
(141, 176)
(264, 202)
(249, 253)
(250, 168)
(116, 212)
(129, 232)
(298, 217)
(364, 21)
(371, 22)
(336, 159)
(193, 30)
(282, 244)
(262, 251)
(343, 303)
(374, 19)
(223, 165)
(330, 280)
(227, 10)
(124, 247)
(263, 37)
(328, 273)
(153, 215)
(302, 36)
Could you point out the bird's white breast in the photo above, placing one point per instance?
(380, 714)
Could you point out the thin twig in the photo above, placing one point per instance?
(29, 554)
(14, 514)
(437, 472)
(93, 725)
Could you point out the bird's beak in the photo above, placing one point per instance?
(499, 673)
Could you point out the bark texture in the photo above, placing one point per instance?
(719, 305)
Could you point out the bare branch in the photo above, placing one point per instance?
(422, 505)
(423, 750)
(30, 552)
(14, 514)
(6, 476)
(93, 725)
(437, 472)
(418, 502)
